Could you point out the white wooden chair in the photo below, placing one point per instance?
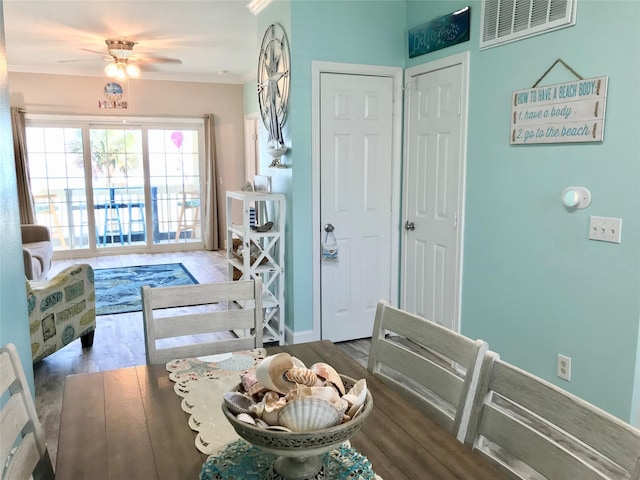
(23, 451)
(532, 429)
(436, 367)
(166, 319)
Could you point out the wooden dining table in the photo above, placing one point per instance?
(128, 424)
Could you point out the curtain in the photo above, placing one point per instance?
(211, 215)
(25, 198)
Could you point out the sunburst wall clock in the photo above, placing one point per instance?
(273, 88)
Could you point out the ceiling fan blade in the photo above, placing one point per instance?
(93, 51)
(146, 59)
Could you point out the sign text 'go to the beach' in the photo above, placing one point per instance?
(561, 113)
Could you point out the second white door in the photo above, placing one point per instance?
(356, 175)
(435, 113)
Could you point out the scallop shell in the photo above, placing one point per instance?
(303, 376)
(327, 372)
(309, 414)
(237, 402)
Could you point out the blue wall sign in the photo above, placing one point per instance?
(439, 33)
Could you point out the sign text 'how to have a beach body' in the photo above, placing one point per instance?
(561, 113)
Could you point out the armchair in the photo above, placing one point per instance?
(61, 310)
(37, 250)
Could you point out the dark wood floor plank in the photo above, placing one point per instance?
(129, 449)
(86, 399)
(172, 439)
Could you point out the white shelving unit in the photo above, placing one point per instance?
(260, 253)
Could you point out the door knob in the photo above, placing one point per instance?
(409, 226)
(328, 228)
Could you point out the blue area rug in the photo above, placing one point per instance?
(118, 289)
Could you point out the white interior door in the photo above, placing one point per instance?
(435, 148)
(356, 179)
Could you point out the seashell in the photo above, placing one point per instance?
(303, 376)
(356, 396)
(328, 373)
(325, 393)
(261, 423)
(277, 428)
(256, 390)
(272, 409)
(341, 406)
(248, 381)
(270, 372)
(309, 414)
(298, 363)
(237, 402)
(246, 418)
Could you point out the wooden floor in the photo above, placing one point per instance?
(119, 339)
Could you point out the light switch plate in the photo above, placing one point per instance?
(605, 229)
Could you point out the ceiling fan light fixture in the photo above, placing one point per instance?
(133, 70)
(111, 70)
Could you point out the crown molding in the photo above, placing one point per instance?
(256, 6)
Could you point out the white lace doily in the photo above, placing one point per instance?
(201, 382)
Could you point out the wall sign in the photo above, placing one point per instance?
(568, 112)
(439, 33)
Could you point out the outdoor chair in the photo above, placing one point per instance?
(532, 429)
(189, 321)
(23, 451)
(435, 367)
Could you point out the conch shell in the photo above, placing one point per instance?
(303, 376)
(328, 373)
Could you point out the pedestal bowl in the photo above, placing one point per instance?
(299, 454)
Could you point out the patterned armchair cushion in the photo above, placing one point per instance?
(61, 310)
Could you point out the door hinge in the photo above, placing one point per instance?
(455, 220)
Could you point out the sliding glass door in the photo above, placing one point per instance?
(103, 187)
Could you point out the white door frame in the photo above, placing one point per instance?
(317, 68)
(462, 59)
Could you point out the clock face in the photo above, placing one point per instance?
(273, 79)
(113, 91)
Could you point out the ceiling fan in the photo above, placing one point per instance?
(123, 62)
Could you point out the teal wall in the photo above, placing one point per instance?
(14, 323)
(331, 31)
(533, 285)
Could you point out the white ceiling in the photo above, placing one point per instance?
(209, 36)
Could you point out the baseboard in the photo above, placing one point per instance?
(291, 337)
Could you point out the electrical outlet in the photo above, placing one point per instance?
(605, 229)
(564, 367)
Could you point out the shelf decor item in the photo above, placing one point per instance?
(273, 88)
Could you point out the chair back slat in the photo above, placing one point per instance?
(197, 320)
(22, 440)
(522, 422)
(436, 367)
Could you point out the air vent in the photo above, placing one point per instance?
(505, 21)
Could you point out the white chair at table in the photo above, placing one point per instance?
(23, 451)
(207, 329)
(435, 367)
(532, 429)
